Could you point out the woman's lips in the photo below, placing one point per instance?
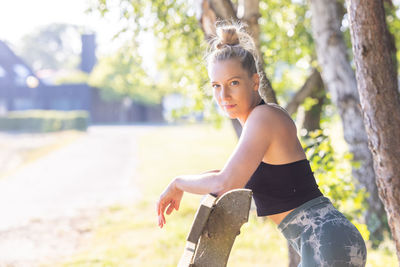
(229, 106)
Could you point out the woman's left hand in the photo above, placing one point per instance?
(169, 200)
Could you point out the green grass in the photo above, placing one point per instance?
(129, 236)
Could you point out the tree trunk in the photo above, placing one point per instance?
(313, 115)
(340, 81)
(312, 84)
(251, 13)
(380, 101)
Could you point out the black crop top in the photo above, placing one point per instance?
(279, 188)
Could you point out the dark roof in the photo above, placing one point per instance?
(13, 70)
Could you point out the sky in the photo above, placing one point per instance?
(19, 17)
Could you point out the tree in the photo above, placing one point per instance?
(376, 73)
(122, 76)
(53, 46)
(340, 81)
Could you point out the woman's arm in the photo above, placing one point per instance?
(208, 182)
(204, 183)
(249, 152)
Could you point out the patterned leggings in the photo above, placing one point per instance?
(323, 236)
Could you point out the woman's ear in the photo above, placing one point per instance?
(256, 81)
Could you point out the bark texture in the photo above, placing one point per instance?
(380, 101)
(340, 81)
(313, 116)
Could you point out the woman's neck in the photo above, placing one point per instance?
(256, 101)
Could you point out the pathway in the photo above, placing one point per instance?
(46, 208)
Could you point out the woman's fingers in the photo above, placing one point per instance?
(162, 209)
(176, 205)
(170, 207)
(160, 213)
(167, 203)
(158, 208)
(163, 219)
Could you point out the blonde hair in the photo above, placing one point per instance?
(233, 42)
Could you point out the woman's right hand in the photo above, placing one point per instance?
(170, 199)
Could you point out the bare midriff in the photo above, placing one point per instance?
(277, 218)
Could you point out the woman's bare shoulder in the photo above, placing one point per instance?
(270, 111)
(272, 116)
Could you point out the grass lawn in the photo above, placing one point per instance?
(129, 236)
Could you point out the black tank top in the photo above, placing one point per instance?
(279, 188)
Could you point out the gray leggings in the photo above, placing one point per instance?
(323, 236)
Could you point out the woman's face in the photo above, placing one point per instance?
(234, 90)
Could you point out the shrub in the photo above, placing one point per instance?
(40, 121)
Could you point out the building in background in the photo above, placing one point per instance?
(22, 89)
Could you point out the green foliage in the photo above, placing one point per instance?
(122, 75)
(287, 81)
(309, 102)
(178, 56)
(333, 175)
(286, 43)
(286, 36)
(41, 121)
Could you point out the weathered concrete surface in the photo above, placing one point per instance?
(227, 216)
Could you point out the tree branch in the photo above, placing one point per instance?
(306, 90)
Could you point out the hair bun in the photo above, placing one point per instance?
(227, 36)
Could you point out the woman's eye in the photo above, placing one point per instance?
(234, 83)
(215, 86)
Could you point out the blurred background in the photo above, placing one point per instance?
(103, 102)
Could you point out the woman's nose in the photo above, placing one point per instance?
(224, 93)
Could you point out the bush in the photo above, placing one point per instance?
(40, 121)
(333, 174)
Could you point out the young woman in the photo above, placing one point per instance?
(270, 161)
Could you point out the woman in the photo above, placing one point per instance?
(270, 161)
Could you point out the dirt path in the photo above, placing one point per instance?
(47, 206)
